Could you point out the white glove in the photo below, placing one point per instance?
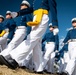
(55, 31)
(14, 14)
(6, 35)
(56, 51)
(7, 30)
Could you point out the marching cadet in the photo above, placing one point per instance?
(9, 25)
(71, 37)
(21, 27)
(39, 25)
(52, 41)
(3, 36)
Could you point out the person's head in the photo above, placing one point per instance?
(1, 18)
(8, 15)
(51, 27)
(25, 4)
(73, 22)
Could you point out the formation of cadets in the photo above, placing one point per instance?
(24, 42)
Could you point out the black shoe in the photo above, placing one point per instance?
(49, 73)
(1, 63)
(63, 73)
(58, 73)
(10, 63)
(26, 69)
(46, 72)
(22, 67)
(41, 72)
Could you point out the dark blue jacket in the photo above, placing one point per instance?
(22, 20)
(1, 27)
(49, 5)
(49, 37)
(70, 35)
(11, 25)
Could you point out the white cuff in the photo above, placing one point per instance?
(55, 31)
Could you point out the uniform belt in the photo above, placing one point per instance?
(20, 27)
(73, 40)
(44, 11)
(49, 42)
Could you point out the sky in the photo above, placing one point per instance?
(66, 10)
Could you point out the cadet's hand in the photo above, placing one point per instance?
(56, 51)
(14, 14)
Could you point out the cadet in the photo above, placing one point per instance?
(9, 25)
(71, 37)
(20, 32)
(3, 34)
(52, 40)
(39, 25)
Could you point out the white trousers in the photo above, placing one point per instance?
(50, 63)
(74, 72)
(32, 41)
(28, 61)
(72, 54)
(49, 50)
(63, 62)
(3, 42)
(60, 65)
(17, 39)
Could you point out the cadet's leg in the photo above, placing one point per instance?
(49, 50)
(17, 39)
(32, 40)
(51, 63)
(37, 57)
(72, 52)
(3, 43)
(20, 52)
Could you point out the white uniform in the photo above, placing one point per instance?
(19, 35)
(3, 41)
(50, 63)
(47, 56)
(66, 58)
(33, 42)
(72, 54)
(51, 42)
(17, 39)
